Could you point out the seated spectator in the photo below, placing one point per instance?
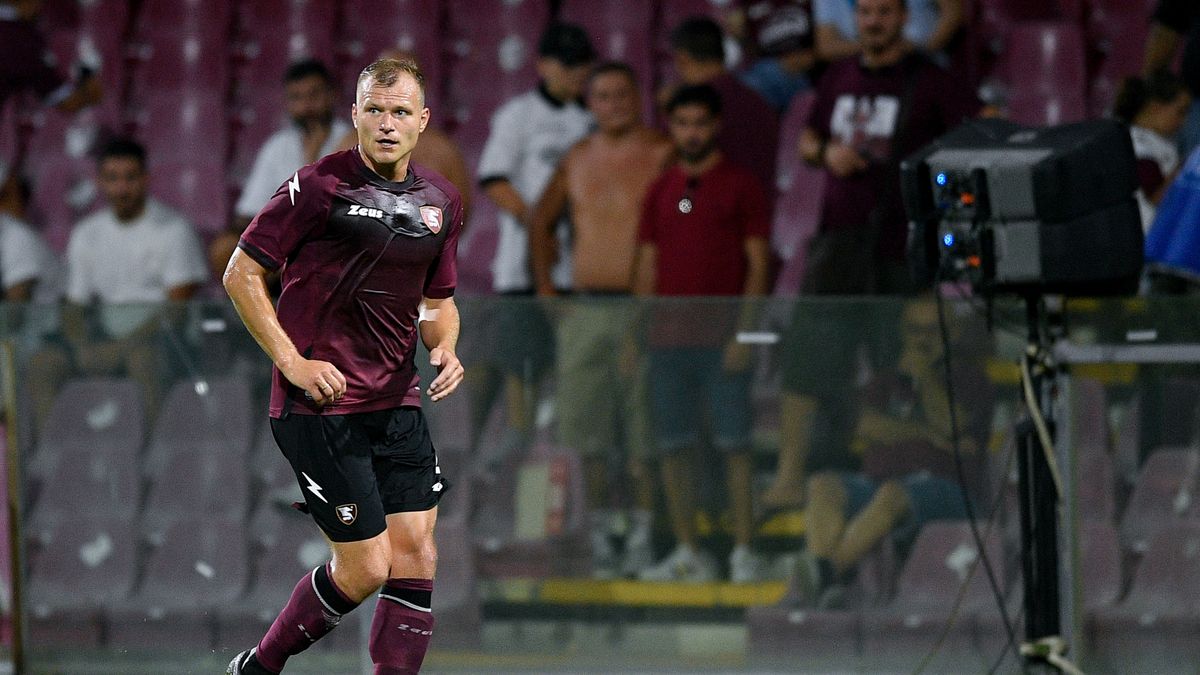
(784, 41)
(908, 476)
(931, 25)
(704, 231)
(27, 64)
(1155, 108)
(123, 262)
(435, 150)
(600, 185)
(749, 136)
(29, 271)
(313, 132)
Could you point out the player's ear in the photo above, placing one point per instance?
(424, 118)
(354, 115)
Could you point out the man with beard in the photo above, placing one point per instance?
(871, 111)
(704, 231)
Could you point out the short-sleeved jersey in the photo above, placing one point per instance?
(358, 254)
(861, 107)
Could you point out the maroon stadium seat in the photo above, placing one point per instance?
(904, 631)
(1037, 109)
(188, 127)
(1100, 564)
(456, 595)
(622, 31)
(275, 33)
(414, 26)
(198, 566)
(212, 412)
(204, 477)
(1045, 58)
(1154, 629)
(196, 189)
(798, 208)
(102, 415)
(1164, 495)
(208, 19)
(86, 563)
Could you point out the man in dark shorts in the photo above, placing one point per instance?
(367, 242)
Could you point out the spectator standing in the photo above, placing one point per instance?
(600, 186)
(1155, 108)
(931, 25)
(704, 231)
(870, 111)
(1175, 21)
(783, 40)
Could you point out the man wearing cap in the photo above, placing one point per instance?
(530, 133)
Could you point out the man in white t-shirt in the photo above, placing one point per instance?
(29, 271)
(125, 261)
(312, 132)
(530, 133)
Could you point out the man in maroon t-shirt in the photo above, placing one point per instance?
(871, 111)
(704, 232)
(367, 242)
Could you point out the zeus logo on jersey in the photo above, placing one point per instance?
(356, 210)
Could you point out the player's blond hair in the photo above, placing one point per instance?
(385, 72)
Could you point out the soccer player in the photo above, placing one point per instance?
(367, 241)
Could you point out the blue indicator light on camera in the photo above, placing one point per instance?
(948, 240)
(941, 179)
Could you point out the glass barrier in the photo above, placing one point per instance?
(676, 484)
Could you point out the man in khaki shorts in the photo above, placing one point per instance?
(602, 411)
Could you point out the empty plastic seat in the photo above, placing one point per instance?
(196, 189)
(197, 567)
(414, 26)
(85, 563)
(206, 479)
(621, 31)
(198, 415)
(1046, 58)
(183, 128)
(1037, 109)
(456, 600)
(943, 558)
(1154, 628)
(275, 33)
(1100, 564)
(208, 19)
(184, 63)
(1163, 495)
(100, 416)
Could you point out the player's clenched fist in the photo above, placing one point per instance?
(321, 380)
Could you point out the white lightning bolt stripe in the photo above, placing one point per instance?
(293, 188)
(314, 488)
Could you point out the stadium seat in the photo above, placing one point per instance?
(91, 444)
(414, 26)
(1154, 628)
(1045, 58)
(188, 128)
(622, 31)
(1164, 495)
(456, 594)
(204, 478)
(798, 207)
(905, 630)
(211, 414)
(1100, 564)
(207, 19)
(95, 33)
(85, 563)
(198, 566)
(275, 33)
(1037, 109)
(196, 189)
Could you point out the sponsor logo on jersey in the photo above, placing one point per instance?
(347, 513)
(356, 210)
(432, 216)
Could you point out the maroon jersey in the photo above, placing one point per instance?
(861, 107)
(358, 253)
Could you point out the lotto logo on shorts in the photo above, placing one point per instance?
(432, 216)
(347, 513)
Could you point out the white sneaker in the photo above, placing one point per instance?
(639, 548)
(683, 564)
(745, 567)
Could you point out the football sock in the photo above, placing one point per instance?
(316, 606)
(402, 626)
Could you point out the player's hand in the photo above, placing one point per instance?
(320, 380)
(843, 160)
(450, 373)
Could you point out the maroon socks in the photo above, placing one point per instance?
(402, 626)
(316, 606)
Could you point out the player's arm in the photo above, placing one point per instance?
(439, 325)
(543, 245)
(245, 281)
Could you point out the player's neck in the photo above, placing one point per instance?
(389, 172)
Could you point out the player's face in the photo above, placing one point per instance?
(613, 100)
(309, 102)
(880, 23)
(389, 120)
(123, 182)
(564, 83)
(694, 130)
